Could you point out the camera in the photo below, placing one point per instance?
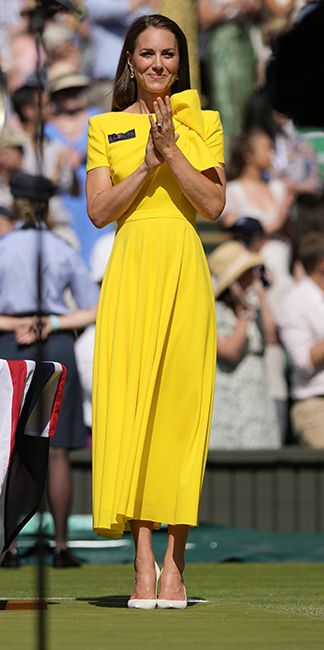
(264, 275)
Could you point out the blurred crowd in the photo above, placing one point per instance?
(268, 269)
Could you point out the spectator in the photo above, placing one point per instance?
(249, 232)
(276, 16)
(306, 216)
(19, 327)
(302, 332)
(68, 126)
(248, 193)
(244, 416)
(10, 21)
(231, 59)
(56, 160)
(294, 159)
(23, 55)
(61, 44)
(268, 201)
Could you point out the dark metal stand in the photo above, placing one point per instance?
(44, 10)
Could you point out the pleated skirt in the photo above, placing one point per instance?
(154, 372)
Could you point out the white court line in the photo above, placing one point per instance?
(53, 598)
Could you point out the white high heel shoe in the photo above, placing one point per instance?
(164, 603)
(146, 603)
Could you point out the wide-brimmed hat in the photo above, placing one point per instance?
(228, 262)
(63, 75)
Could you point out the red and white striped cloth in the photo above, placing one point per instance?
(31, 395)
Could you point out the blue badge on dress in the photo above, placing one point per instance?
(117, 137)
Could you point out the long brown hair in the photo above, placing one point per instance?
(242, 144)
(125, 88)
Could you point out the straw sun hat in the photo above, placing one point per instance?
(63, 75)
(228, 262)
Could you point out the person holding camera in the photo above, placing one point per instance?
(244, 416)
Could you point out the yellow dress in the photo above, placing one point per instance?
(155, 348)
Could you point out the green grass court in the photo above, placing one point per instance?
(250, 607)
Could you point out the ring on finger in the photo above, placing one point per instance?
(159, 126)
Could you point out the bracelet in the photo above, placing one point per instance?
(55, 323)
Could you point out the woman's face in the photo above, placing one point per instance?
(261, 152)
(155, 61)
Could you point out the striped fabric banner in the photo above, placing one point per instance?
(31, 395)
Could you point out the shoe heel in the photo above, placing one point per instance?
(146, 603)
(163, 603)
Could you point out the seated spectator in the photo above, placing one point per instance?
(244, 416)
(294, 159)
(249, 232)
(302, 332)
(248, 193)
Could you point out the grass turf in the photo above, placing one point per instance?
(251, 607)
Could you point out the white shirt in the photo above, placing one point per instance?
(301, 325)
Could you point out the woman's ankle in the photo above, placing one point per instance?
(173, 566)
(144, 562)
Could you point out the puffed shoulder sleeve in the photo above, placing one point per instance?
(214, 136)
(97, 155)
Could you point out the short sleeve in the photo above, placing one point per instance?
(84, 290)
(214, 136)
(232, 205)
(96, 149)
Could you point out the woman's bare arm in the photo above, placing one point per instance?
(205, 190)
(230, 347)
(107, 202)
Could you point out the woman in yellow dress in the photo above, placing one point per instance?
(153, 162)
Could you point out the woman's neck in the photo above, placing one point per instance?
(251, 173)
(145, 101)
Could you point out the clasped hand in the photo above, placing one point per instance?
(32, 329)
(161, 139)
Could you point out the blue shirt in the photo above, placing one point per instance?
(77, 205)
(62, 268)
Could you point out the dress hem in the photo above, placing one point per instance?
(117, 530)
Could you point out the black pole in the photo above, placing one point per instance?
(44, 9)
(40, 543)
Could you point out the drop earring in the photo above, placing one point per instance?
(131, 74)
